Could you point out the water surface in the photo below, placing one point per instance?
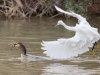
(31, 33)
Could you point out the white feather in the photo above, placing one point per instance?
(79, 17)
(85, 36)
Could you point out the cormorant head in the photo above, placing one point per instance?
(20, 46)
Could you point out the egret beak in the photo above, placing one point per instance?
(56, 25)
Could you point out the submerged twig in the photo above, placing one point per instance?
(56, 15)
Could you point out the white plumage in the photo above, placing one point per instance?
(85, 37)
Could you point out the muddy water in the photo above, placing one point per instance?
(31, 33)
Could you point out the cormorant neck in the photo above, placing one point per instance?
(23, 49)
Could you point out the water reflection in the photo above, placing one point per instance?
(60, 69)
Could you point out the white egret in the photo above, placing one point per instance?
(85, 37)
(27, 57)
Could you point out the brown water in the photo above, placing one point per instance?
(31, 33)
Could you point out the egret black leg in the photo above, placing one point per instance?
(95, 44)
(93, 51)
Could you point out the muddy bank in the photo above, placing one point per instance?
(93, 8)
(29, 8)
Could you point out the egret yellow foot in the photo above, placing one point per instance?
(93, 52)
(95, 46)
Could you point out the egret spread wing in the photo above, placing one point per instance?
(85, 36)
(79, 17)
(65, 48)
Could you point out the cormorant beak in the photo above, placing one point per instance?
(12, 48)
(14, 45)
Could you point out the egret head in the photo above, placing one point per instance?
(60, 22)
